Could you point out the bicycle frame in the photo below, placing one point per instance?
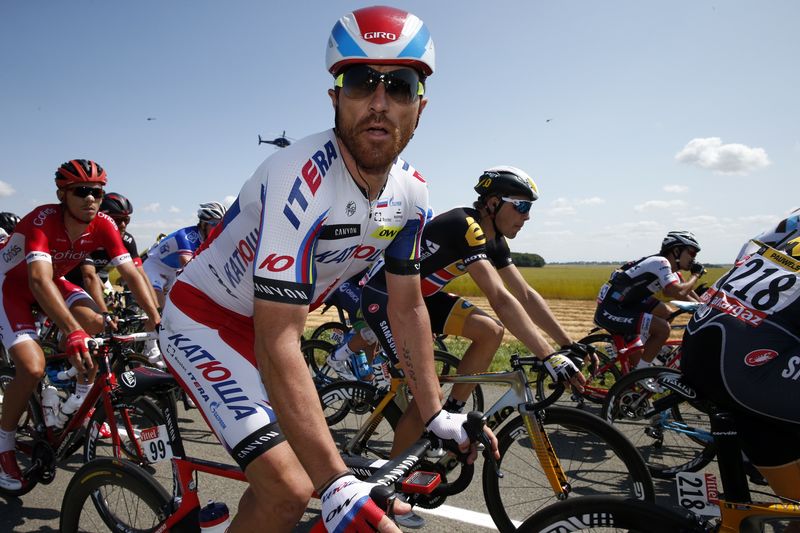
(518, 397)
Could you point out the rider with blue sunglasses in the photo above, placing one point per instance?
(472, 240)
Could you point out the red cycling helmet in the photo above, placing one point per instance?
(79, 171)
(380, 35)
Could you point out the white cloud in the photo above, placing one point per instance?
(6, 189)
(152, 207)
(660, 204)
(565, 206)
(594, 200)
(676, 188)
(732, 158)
(173, 209)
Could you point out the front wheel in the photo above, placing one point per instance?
(609, 513)
(595, 457)
(133, 501)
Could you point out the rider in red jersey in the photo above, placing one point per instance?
(46, 244)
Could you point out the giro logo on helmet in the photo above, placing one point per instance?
(380, 37)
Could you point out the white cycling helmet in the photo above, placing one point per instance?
(380, 35)
(680, 238)
(210, 211)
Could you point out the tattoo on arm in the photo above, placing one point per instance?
(409, 365)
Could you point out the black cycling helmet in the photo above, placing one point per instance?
(8, 221)
(114, 204)
(679, 238)
(791, 248)
(506, 180)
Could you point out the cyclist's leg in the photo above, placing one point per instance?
(88, 315)
(217, 368)
(657, 334)
(158, 280)
(22, 344)
(456, 316)
(752, 373)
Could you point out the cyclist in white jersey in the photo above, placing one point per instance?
(312, 215)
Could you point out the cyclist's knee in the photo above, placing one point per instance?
(659, 329)
(485, 331)
(277, 480)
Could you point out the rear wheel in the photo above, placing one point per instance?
(595, 457)
(131, 499)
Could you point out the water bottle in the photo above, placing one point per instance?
(214, 517)
(361, 368)
(380, 369)
(54, 374)
(71, 404)
(51, 404)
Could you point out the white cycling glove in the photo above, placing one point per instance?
(560, 367)
(346, 506)
(448, 426)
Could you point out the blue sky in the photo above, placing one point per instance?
(633, 117)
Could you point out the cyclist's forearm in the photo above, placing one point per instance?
(295, 401)
(140, 290)
(94, 288)
(516, 320)
(542, 316)
(411, 329)
(52, 303)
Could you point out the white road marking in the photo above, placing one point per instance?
(463, 515)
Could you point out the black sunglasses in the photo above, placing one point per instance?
(360, 81)
(83, 191)
(121, 219)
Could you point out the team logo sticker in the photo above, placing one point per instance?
(760, 357)
(350, 209)
(373, 308)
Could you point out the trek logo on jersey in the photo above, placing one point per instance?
(339, 231)
(311, 173)
(364, 252)
(386, 232)
(618, 319)
(760, 357)
(214, 372)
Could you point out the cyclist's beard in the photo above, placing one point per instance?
(369, 157)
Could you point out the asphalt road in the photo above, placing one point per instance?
(38, 511)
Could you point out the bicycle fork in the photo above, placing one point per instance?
(544, 451)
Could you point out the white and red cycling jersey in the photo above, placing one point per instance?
(299, 227)
(42, 236)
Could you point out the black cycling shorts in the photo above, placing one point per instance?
(754, 373)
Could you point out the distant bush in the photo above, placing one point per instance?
(527, 260)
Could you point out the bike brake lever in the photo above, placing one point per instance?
(474, 429)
